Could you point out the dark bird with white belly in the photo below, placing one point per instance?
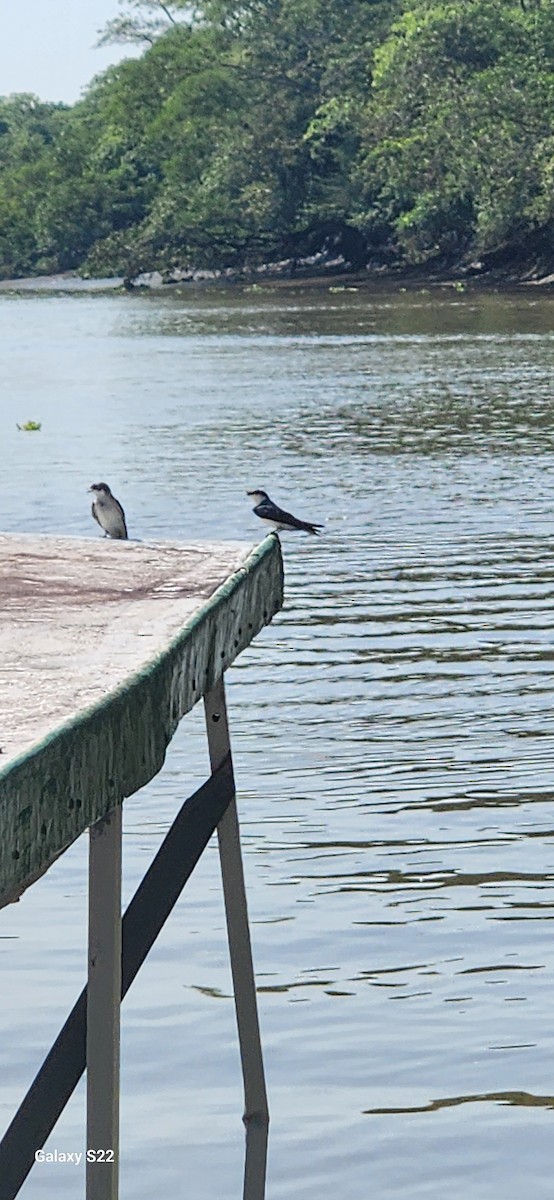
(108, 511)
(276, 517)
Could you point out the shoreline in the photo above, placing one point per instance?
(282, 277)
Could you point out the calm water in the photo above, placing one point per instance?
(393, 733)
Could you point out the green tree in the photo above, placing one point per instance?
(405, 130)
(142, 22)
(458, 131)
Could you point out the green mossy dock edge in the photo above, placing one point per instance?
(80, 771)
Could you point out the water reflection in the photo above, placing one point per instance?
(517, 1099)
(393, 730)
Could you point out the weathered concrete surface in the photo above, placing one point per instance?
(77, 618)
(103, 648)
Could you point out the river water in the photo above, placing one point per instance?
(392, 730)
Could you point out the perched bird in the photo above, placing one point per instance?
(272, 515)
(108, 511)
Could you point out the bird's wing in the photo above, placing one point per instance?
(271, 512)
(94, 513)
(121, 513)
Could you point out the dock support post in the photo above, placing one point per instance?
(256, 1113)
(103, 1007)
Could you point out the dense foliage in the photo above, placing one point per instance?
(381, 130)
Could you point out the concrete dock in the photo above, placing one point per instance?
(104, 647)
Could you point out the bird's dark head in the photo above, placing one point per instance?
(258, 495)
(101, 489)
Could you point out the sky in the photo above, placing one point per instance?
(47, 46)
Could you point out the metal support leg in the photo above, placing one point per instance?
(256, 1114)
(103, 1007)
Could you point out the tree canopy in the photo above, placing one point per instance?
(396, 131)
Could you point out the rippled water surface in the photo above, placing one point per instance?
(392, 730)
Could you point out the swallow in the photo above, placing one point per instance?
(108, 511)
(271, 514)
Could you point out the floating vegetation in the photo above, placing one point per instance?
(30, 426)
